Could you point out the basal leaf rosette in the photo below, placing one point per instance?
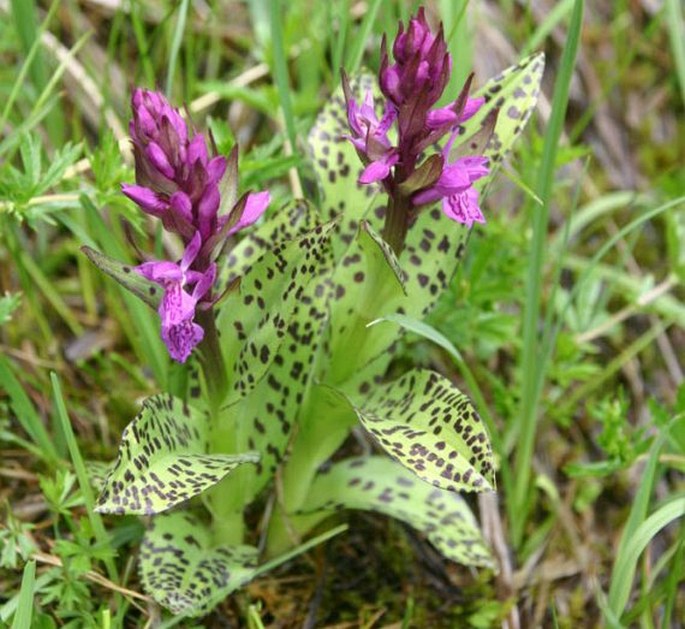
(430, 427)
(378, 484)
(163, 460)
(183, 570)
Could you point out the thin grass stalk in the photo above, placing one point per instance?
(676, 32)
(176, 42)
(82, 475)
(354, 59)
(280, 69)
(25, 16)
(531, 363)
(24, 613)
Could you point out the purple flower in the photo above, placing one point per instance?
(370, 136)
(455, 188)
(176, 178)
(412, 78)
(178, 306)
(255, 206)
(422, 66)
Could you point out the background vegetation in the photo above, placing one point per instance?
(567, 312)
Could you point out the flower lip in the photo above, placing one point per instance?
(178, 306)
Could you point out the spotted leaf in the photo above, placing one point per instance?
(124, 274)
(163, 460)
(287, 223)
(378, 484)
(255, 320)
(184, 571)
(368, 281)
(514, 93)
(423, 421)
(265, 419)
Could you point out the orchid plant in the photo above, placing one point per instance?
(288, 335)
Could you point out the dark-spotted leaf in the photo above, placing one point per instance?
(183, 570)
(368, 281)
(163, 460)
(379, 484)
(254, 321)
(423, 421)
(264, 420)
(124, 274)
(515, 93)
(287, 223)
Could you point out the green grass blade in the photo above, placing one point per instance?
(81, 473)
(176, 45)
(25, 17)
(342, 12)
(676, 32)
(530, 361)
(551, 21)
(354, 59)
(142, 43)
(31, 54)
(280, 70)
(24, 614)
(26, 413)
(626, 562)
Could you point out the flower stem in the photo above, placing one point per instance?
(211, 359)
(396, 221)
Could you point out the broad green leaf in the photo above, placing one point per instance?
(289, 222)
(182, 569)
(423, 421)
(515, 93)
(124, 274)
(257, 319)
(185, 571)
(264, 420)
(368, 280)
(163, 460)
(378, 484)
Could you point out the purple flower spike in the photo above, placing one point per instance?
(422, 65)
(177, 308)
(413, 74)
(177, 179)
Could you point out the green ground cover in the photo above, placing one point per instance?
(565, 322)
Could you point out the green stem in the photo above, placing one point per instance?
(317, 440)
(212, 360)
(396, 221)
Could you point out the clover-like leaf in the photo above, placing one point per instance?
(163, 460)
(379, 484)
(184, 571)
(423, 421)
(255, 320)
